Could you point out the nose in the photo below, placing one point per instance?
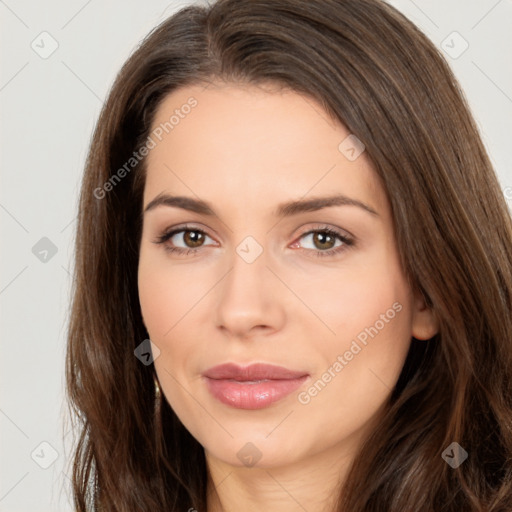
(250, 300)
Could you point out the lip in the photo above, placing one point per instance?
(254, 386)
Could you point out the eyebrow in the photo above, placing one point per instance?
(287, 209)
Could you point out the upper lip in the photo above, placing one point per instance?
(255, 371)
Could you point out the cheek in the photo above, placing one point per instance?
(369, 310)
(356, 370)
(373, 340)
(166, 293)
(165, 299)
(155, 299)
(354, 298)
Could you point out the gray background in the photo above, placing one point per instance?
(49, 106)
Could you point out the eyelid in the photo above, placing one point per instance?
(327, 227)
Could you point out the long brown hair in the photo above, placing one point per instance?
(374, 71)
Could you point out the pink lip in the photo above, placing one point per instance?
(252, 387)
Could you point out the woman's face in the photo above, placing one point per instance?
(255, 278)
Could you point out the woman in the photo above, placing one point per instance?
(293, 273)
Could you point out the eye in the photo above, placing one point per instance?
(324, 240)
(192, 239)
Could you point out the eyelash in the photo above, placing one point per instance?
(347, 242)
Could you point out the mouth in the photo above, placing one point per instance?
(252, 387)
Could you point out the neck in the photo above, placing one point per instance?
(311, 485)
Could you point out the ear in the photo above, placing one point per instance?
(424, 321)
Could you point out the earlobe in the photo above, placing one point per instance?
(424, 321)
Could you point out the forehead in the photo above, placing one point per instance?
(248, 142)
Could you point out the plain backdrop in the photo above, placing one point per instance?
(59, 60)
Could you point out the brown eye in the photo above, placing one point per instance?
(193, 238)
(182, 240)
(323, 240)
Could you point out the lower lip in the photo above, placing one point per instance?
(256, 395)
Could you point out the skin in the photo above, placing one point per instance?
(245, 150)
